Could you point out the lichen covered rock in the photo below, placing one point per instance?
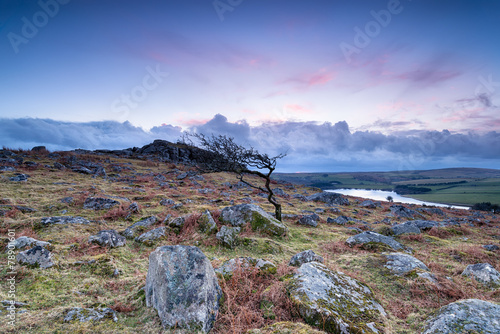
(258, 219)
(150, 237)
(371, 238)
(228, 236)
(304, 257)
(228, 267)
(182, 286)
(207, 223)
(484, 273)
(36, 257)
(108, 238)
(89, 314)
(465, 316)
(400, 263)
(335, 302)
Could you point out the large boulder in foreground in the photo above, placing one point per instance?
(465, 316)
(335, 302)
(252, 214)
(182, 286)
(329, 198)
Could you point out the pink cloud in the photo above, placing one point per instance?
(297, 109)
(308, 80)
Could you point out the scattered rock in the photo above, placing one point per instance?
(67, 200)
(99, 203)
(484, 273)
(228, 236)
(23, 242)
(182, 286)
(133, 208)
(334, 301)
(465, 316)
(81, 170)
(340, 220)
(329, 198)
(369, 238)
(176, 224)
(304, 257)
(258, 219)
(167, 202)
(491, 248)
(369, 204)
(108, 238)
(90, 314)
(207, 223)
(403, 212)
(228, 267)
(414, 226)
(138, 228)
(7, 169)
(309, 220)
(36, 257)
(61, 220)
(433, 211)
(150, 237)
(400, 263)
(19, 177)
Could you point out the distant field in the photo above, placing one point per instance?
(461, 186)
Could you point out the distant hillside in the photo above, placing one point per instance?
(465, 186)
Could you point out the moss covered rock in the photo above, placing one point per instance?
(335, 302)
(465, 316)
(252, 214)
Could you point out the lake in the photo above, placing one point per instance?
(381, 195)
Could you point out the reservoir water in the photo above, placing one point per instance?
(381, 195)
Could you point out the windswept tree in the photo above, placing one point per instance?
(224, 155)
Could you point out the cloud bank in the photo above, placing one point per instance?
(310, 146)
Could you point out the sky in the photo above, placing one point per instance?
(339, 85)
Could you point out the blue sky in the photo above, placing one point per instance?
(289, 75)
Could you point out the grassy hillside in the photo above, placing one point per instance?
(83, 273)
(460, 186)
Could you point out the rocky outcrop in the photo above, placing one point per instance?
(108, 238)
(417, 226)
(373, 239)
(182, 286)
(484, 273)
(258, 219)
(329, 198)
(89, 314)
(304, 257)
(334, 302)
(401, 263)
(139, 227)
(36, 257)
(465, 316)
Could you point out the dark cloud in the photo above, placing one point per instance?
(56, 135)
(310, 146)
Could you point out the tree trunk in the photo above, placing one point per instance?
(277, 210)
